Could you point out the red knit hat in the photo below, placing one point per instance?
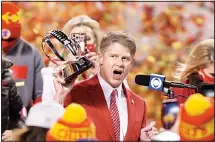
(74, 125)
(11, 25)
(197, 119)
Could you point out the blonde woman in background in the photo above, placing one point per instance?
(79, 24)
(197, 68)
(84, 25)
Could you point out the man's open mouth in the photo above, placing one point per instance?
(117, 74)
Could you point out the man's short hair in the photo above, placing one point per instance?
(120, 37)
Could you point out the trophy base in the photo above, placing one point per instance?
(74, 69)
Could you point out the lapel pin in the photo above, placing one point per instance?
(132, 101)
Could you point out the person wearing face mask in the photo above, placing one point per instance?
(27, 60)
(197, 69)
(84, 25)
(118, 113)
(77, 25)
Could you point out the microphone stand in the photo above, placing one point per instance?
(168, 92)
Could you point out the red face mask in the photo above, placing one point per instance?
(91, 47)
(207, 78)
(8, 45)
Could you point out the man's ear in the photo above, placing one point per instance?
(132, 62)
(100, 58)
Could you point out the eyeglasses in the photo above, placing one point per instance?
(80, 37)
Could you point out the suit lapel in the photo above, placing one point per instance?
(131, 113)
(97, 96)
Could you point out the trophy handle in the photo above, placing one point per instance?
(70, 44)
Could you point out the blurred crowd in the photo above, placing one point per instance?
(165, 34)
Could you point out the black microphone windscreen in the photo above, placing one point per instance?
(142, 80)
(206, 89)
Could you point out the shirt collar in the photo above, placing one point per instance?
(107, 89)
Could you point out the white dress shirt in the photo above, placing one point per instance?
(48, 84)
(120, 102)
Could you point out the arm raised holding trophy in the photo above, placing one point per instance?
(67, 69)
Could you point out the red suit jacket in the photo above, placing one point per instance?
(90, 95)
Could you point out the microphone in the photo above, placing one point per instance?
(157, 82)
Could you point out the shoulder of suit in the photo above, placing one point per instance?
(82, 84)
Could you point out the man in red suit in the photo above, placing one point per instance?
(118, 114)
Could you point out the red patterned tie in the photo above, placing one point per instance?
(115, 115)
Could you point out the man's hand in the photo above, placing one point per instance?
(148, 132)
(62, 89)
(93, 57)
(7, 135)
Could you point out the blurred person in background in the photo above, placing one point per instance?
(74, 124)
(40, 119)
(195, 120)
(198, 68)
(105, 97)
(27, 60)
(10, 101)
(83, 25)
